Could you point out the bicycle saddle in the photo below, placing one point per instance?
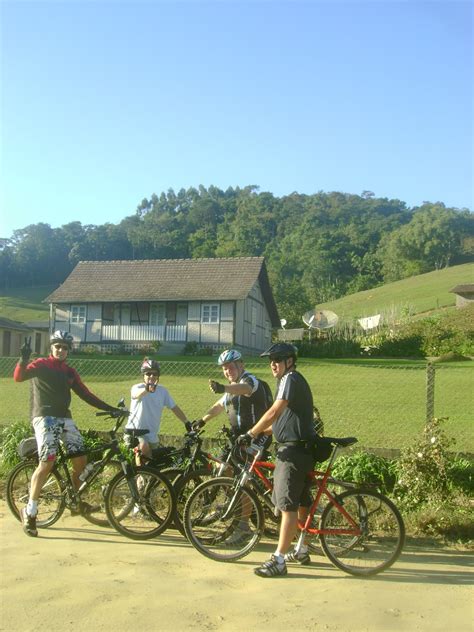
(344, 442)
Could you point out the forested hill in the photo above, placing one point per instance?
(318, 247)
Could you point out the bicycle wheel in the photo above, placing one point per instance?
(222, 521)
(379, 541)
(147, 511)
(184, 485)
(94, 495)
(51, 502)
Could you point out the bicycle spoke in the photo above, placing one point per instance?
(145, 511)
(373, 544)
(222, 522)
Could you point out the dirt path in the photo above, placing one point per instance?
(75, 576)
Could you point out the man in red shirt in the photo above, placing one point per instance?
(51, 383)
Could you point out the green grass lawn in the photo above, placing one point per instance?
(421, 293)
(383, 403)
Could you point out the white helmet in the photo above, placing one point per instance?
(229, 355)
(61, 336)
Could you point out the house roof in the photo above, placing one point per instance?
(466, 287)
(38, 324)
(166, 280)
(6, 323)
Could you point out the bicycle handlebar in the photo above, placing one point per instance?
(114, 414)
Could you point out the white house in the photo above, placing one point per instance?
(214, 302)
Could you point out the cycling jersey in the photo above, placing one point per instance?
(52, 382)
(296, 421)
(245, 410)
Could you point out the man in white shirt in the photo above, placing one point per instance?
(149, 399)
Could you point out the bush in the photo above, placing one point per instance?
(330, 348)
(461, 475)
(423, 470)
(452, 520)
(10, 437)
(190, 348)
(364, 467)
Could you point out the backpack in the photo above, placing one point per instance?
(268, 393)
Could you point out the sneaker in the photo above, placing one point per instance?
(29, 524)
(239, 536)
(271, 568)
(84, 508)
(302, 558)
(141, 514)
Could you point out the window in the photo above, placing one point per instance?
(254, 320)
(210, 313)
(157, 314)
(78, 314)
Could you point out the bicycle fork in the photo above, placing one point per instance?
(235, 497)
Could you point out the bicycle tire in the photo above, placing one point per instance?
(210, 532)
(51, 503)
(381, 539)
(184, 485)
(155, 508)
(94, 494)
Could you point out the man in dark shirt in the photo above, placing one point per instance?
(244, 398)
(52, 382)
(291, 420)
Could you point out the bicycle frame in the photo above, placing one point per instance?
(256, 472)
(192, 453)
(73, 495)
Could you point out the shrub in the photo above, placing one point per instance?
(10, 437)
(423, 470)
(461, 474)
(190, 348)
(452, 520)
(364, 467)
(205, 351)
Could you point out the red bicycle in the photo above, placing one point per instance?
(359, 529)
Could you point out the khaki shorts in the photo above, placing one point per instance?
(49, 431)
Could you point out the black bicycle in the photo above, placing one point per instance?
(187, 466)
(115, 491)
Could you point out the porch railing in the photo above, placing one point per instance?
(144, 333)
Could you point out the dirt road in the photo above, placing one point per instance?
(75, 576)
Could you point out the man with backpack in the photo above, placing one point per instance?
(291, 420)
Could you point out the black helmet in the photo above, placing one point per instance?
(150, 365)
(281, 350)
(63, 337)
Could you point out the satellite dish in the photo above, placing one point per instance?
(370, 322)
(283, 322)
(320, 319)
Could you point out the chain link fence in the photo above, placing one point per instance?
(384, 405)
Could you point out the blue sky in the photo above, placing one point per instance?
(105, 102)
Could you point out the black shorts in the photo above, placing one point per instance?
(291, 484)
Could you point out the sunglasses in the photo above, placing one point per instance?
(277, 359)
(151, 374)
(61, 347)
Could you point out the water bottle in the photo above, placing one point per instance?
(86, 472)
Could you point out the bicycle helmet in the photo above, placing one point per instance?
(63, 337)
(280, 350)
(150, 365)
(229, 355)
